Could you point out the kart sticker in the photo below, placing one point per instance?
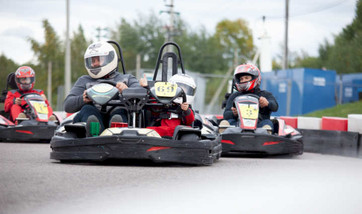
(165, 89)
(40, 107)
(248, 111)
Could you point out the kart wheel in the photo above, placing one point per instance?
(218, 156)
(189, 137)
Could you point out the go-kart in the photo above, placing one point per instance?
(245, 138)
(34, 128)
(133, 140)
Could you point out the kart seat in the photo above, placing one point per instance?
(3, 95)
(227, 95)
(10, 82)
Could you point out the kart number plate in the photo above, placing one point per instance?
(249, 111)
(165, 89)
(40, 107)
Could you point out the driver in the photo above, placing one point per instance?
(25, 80)
(101, 62)
(168, 122)
(247, 79)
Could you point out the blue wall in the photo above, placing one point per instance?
(351, 87)
(312, 89)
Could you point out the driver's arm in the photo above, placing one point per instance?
(74, 101)
(127, 81)
(85, 97)
(143, 81)
(188, 115)
(132, 82)
(43, 96)
(273, 104)
(17, 101)
(121, 86)
(9, 101)
(228, 113)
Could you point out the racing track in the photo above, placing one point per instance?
(312, 183)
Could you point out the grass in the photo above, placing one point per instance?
(338, 111)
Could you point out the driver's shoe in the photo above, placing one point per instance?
(52, 118)
(268, 128)
(115, 119)
(93, 126)
(224, 124)
(21, 117)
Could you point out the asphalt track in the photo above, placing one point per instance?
(312, 183)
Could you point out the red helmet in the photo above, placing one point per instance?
(25, 78)
(247, 69)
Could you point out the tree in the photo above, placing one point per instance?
(79, 44)
(7, 66)
(345, 56)
(235, 35)
(52, 51)
(144, 37)
(305, 61)
(201, 52)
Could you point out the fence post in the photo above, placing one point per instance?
(289, 96)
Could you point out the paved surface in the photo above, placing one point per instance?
(312, 183)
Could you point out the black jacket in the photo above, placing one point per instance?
(264, 113)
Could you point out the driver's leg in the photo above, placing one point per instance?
(232, 122)
(85, 112)
(113, 116)
(267, 124)
(15, 110)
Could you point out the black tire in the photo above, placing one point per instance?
(189, 137)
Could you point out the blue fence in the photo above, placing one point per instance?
(350, 87)
(303, 90)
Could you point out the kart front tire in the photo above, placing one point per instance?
(189, 137)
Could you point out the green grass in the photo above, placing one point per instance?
(339, 110)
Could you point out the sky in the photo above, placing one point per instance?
(311, 22)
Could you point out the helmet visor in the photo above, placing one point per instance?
(243, 78)
(187, 89)
(99, 61)
(25, 80)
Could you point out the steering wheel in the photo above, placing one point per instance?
(111, 82)
(252, 95)
(24, 95)
(179, 110)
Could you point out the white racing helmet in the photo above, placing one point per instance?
(100, 59)
(187, 83)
